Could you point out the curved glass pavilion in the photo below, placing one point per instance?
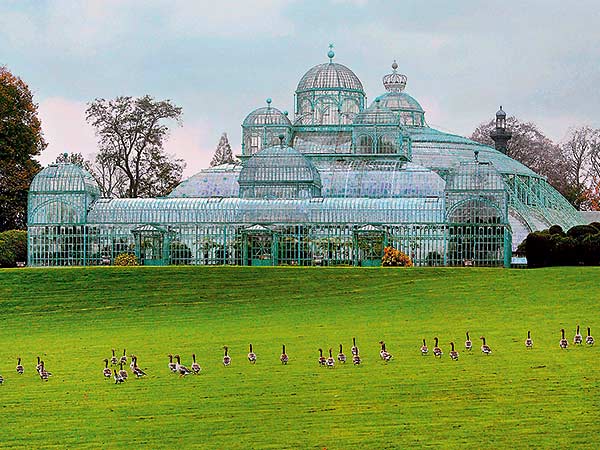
(334, 186)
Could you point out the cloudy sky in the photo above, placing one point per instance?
(540, 59)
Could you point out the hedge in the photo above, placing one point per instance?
(13, 247)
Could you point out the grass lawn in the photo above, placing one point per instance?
(544, 397)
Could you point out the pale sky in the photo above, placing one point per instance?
(540, 59)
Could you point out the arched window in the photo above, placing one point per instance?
(387, 145)
(364, 145)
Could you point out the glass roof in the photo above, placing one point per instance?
(329, 75)
(376, 114)
(399, 101)
(267, 115)
(64, 178)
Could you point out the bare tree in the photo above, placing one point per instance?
(582, 151)
(532, 148)
(131, 134)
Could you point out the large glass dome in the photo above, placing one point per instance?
(267, 115)
(328, 76)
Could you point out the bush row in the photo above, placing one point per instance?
(580, 245)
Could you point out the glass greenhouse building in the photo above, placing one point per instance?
(333, 186)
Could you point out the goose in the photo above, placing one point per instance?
(113, 360)
(436, 350)
(529, 341)
(563, 342)
(122, 372)
(133, 362)
(20, 368)
(485, 349)
(252, 355)
(172, 365)
(39, 365)
(341, 357)
(356, 359)
(385, 355)
(195, 366)
(44, 374)
(468, 343)
(183, 371)
(1, 380)
(453, 353)
(226, 358)
(284, 357)
(578, 339)
(136, 370)
(424, 349)
(354, 349)
(330, 362)
(589, 340)
(321, 357)
(123, 358)
(118, 378)
(106, 372)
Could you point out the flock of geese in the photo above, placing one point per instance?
(175, 366)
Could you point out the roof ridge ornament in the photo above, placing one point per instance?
(330, 53)
(394, 82)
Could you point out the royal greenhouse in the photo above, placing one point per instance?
(334, 185)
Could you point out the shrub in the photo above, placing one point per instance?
(126, 259)
(13, 247)
(581, 230)
(395, 258)
(556, 229)
(538, 249)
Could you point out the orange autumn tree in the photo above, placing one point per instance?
(21, 139)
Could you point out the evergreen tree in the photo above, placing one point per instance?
(223, 153)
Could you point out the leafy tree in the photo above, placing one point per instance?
(223, 153)
(533, 149)
(131, 161)
(21, 139)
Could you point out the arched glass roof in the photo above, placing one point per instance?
(376, 114)
(267, 115)
(279, 164)
(329, 76)
(57, 178)
(399, 101)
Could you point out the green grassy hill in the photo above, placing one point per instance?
(545, 397)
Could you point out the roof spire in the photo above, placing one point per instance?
(394, 82)
(330, 53)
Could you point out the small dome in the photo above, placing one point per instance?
(376, 114)
(64, 177)
(279, 172)
(500, 113)
(329, 76)
(399, 101)
(267, 115)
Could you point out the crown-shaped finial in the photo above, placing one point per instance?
(330, 53)
(394, 82)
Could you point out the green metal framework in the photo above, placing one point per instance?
(334, 188)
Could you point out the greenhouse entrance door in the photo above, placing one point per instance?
(150, 245)
(259, 244)
(369, 243)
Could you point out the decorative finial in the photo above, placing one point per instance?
(330, 53)
(65, 155)
(281, 138)
(285, 113)
(269, 101)
(476, 152)
(394, 82)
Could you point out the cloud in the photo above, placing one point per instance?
(192, 142)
